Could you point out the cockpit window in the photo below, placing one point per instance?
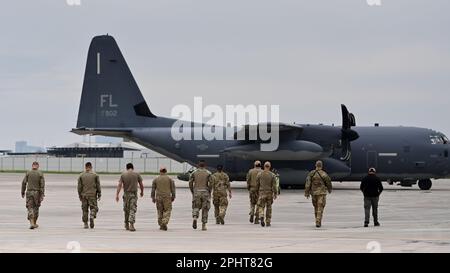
(439, 139)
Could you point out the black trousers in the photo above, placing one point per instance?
(371, 202)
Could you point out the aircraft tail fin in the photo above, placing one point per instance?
(110, 96)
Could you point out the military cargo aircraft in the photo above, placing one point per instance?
(112, 105)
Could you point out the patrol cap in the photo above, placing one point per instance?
(372, 170)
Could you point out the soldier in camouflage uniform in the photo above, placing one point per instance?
(253, 192)
(163, 194)
(200, 184)
(33, 187)
(266, 185)
(129, 181)
(89, 191)
(277, 178)
(318, 184)
(221, 188)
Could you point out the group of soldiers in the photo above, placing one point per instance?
(262, 185)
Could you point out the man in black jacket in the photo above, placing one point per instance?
(371, 187)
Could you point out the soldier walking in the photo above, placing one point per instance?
(318, 185)
(221, 189)
(253, 192)
(89, 192)
(33, 188)
(129, 181)
(266, 186)
(200, 184)
(163, 194)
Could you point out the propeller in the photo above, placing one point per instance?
(348, 135)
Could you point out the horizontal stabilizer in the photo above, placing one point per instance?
(112, 132)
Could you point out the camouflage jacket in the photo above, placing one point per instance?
(89, 185)
(221, 183)
(163, 185)
(317, 183)
(266, 182)
(34, 181)
(251, 178)
(200, 180)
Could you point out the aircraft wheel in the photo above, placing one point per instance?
(425, 184)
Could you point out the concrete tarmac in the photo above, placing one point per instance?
(411, 221)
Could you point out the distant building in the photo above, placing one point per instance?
(4, 152)
(83, 149)
(104, 139)
(23, 147)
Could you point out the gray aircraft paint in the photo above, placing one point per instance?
(112, 105)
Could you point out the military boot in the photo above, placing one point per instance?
(127, 226)
(222, 221)
(31, 224)
(194, 223)
(86, 226)
(366, 224)
(204, 227)
(377, 224)
(262, 221)
(256, 220)
(132, 227)
(251, 218)
(318, 224)
(35, 222)
(217, 220)
(164, 227)
(91, 222)
(268, 224)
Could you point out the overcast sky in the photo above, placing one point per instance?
(388, 64)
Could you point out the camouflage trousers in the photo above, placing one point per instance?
(33, 202)
(130, 206)
(319, 202)
(265, 200)
(201, 201)
(253, 195)
(164, 208)
(89, 203)
(220, 202)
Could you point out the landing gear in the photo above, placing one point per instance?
(425, 184)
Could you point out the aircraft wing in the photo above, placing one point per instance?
(252, 130)
(289, 148)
